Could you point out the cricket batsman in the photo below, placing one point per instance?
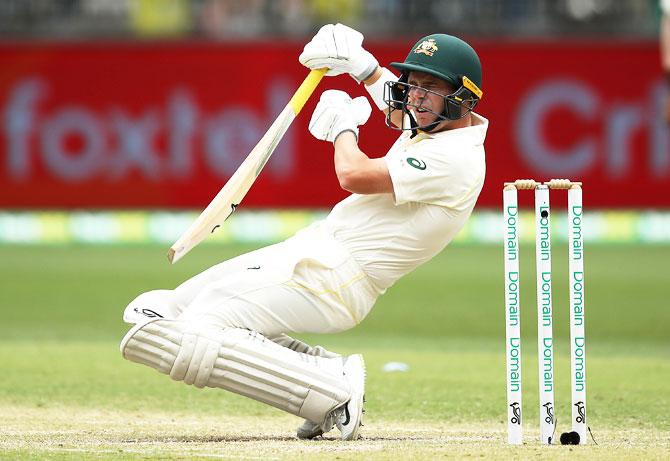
(229, 326)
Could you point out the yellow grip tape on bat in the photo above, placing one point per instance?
(306, 89)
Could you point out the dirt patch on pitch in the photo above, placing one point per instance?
(62, 433)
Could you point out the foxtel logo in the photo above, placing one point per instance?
(76, 143)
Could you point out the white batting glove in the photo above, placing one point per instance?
(339, 48)
(336, 113)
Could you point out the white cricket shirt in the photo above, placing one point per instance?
(436, 180)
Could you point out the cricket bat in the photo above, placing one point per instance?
(232, 193)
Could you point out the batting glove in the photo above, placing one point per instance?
(339, 48)
(336, 113)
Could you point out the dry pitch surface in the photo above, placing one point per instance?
(62, 433)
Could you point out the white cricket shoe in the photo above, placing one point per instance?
(348, 417)
(310, 430)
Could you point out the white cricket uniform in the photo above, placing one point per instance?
(327, 277)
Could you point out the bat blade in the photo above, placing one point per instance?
(232, 193)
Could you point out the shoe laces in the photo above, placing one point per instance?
(335, 417)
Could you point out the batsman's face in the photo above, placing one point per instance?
(425, 104)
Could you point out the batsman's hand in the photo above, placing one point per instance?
(336, 113)
(339, 48)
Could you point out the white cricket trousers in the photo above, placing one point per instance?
(306, 284)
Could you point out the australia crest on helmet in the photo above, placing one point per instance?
(427, 47)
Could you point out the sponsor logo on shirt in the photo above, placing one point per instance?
(416, 163)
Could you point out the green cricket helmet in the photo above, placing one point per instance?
(448, 58)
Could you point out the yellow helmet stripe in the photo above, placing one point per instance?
(470, 85)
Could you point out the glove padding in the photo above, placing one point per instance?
(339, 48)
(336, 112)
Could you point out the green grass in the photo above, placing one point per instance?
(66, 393)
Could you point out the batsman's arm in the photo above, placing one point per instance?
(358, 173)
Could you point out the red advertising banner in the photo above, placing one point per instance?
(124, 125)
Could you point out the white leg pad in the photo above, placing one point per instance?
(300, 346)
(240, 361)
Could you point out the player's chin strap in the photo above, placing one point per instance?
(412, 122)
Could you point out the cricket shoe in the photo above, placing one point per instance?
(348, 417)
(311, 430)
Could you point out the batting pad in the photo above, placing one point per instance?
(302, 347)
(240, 361)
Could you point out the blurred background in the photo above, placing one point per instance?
(280, 19)
(120, 118)
(149, 105)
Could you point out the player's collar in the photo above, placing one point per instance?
(480, 125)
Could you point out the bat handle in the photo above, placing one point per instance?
(306, 89)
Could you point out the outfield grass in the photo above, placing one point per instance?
(65, 392)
